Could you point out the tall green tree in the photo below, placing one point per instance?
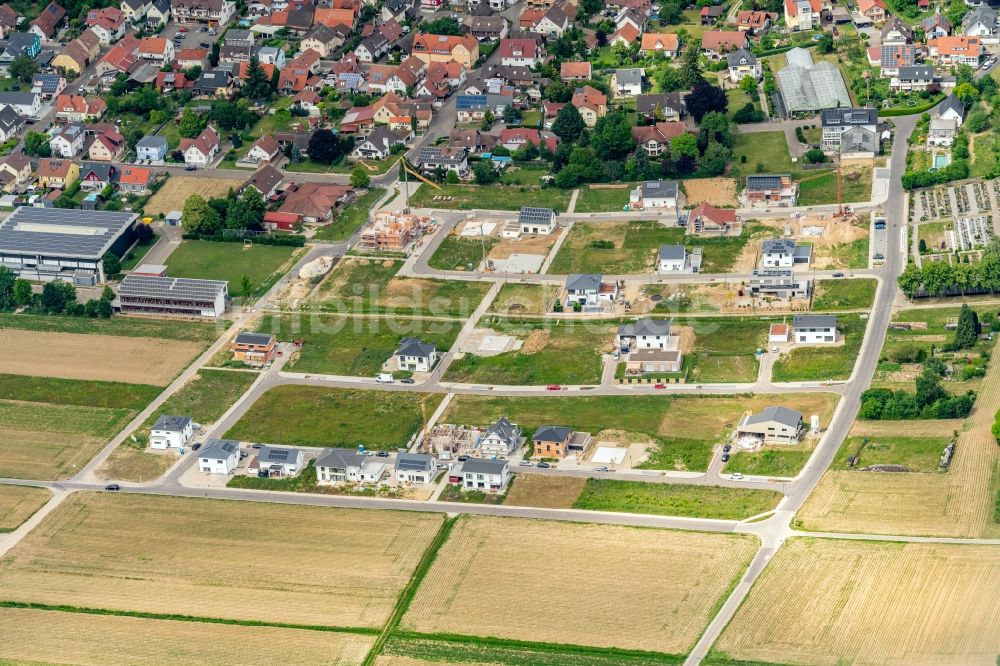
(22, 69)
(612, 136)
(968, 327)
(22, 292)
(568, 125)
(200, 218)
(246, 212)
(257, 84)
(690, 66)
(360, 177)
(7, 280)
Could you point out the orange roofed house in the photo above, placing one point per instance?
(313, 202)
(430, 48)
(666, 43)
(957, 50)
(717, 43)
(804, 14)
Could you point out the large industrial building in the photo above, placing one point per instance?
(150, 294)
(807, 87)
(54, 243)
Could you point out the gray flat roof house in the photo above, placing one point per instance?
(583, 282)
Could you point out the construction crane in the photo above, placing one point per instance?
(410, 170)
(841, 211)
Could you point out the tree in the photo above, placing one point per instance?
(929, 389)
(815, 156)
(191, 124)
(295, 154)
(488, 119)
(748, 85)
(107, 294)
(22, 69)
(199, 217)
(104, 309)
(690, 67)
(684, 145)
(7, 280)
(442, 26)
(705, 98)
(748, 113)
(511, 115)
(257, 84)
(715, 159)
(57, 295)
(36, 144)
(568, 125)
(246, 285)
(359, 177)
(246, 212)
(612, 137)
(825, 43)
(112, 264)
(922, 246)
(968, 328)
(484, 173)
(22, 292)
(324, 147)
(967, 93)
(717, 127)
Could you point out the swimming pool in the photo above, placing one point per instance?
(941, 160)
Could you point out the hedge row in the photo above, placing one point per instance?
(290, 240)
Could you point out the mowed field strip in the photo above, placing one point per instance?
(177, 189)
(133, 360)
(18, 503)
(959, 503)
(825, 601)
(601, 585)
(44, 636)
(220, 559)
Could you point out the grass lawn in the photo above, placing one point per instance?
(353, 346)
(54, 390)
(724, 348)
(134, 256)
(932, 233)
(675, 500)
(813, 136)
(844, 294)
(819, 362)
(210, 260)
(124, 326)
(522, 176)
(738, 99)
(456, 253)
(848, 255)
(350, 218)
(635, 247)
(766, 150)
(816, 188)
(516, 299)
(787, 461)
(171, 132)
(335, 417)
(556, 352)
(985, 159)
(601, 199)
(531, 118)
(494, 197)
(918, 454)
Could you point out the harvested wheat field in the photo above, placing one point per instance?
(622, 586)
(100, 640)
(959, 503)
(928, 428)
(304, 565)
(177, 189)
(716, 191)
(542, 490)
(823, 601)
(107, 358)
(18, 503)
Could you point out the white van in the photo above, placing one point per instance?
(384, 378)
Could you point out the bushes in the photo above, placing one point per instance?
(284, 241)
(996, 432)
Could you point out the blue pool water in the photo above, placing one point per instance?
(941, 160)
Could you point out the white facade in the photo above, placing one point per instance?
(193, 155)
(170, 432)
(816, 329)
(220, 457)
(485, 475)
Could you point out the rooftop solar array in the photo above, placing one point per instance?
(186, 289)
(531, 214)
(63, 232)
(819, 86)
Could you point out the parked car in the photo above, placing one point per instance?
(204, 45)
(463, 458)
(407, 380)
(727, 448)
(660, 386)
(553, 387)
(838, 275)
(112, 487)
(603, 469)
(736, 476)
(382, 454)
(774, 349)
(196, 446)
(526, 463)
(255, 446)
(725, 457)
(544, 465)
(190, 167)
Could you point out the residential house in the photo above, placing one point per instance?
(660, 195)
(415, 468)
(672, 259)
(514, 138)
(488, 28)
(135, 180)
(91, 43)
(158, 50)
(754, 21)
(953, 108)
(646, 333)
(15, 172)
(473, 108)
(936, 26)
(981, 22)
(589, 290)
(152, 149)
(322, 39)
(553, 23)
(717, 43)
(521, 52)
(771, 190)
(501, 439)
(264, 149)
(120, 59)
(201, 150)
(802, 14)
(626, 82)
(47, 21)
(783, 253)
(167, 82)
(626, 35)
(655, 139)
(558, 442)
(895, 56)
(741, 64)
(300, 72)
(710, 15)
(335, 16)
(8, 19)
(472, 141)
(22, 43)
(917, 77)
(95, 176)
(633, 17)
(11, 123)
(707, 220)
(314, 202)
(213, 12)
(265, 180)
(171, 432)
(537, 221)
(661, 106)
(73, 58)
(273, 461)
(958, 50)
(873, 10)
(666, 43)
(335, 466)
(773, 425)
(415, 356)
(108, 24)
(372, 47)
(379, 143)
(79, 109)
(850, 132)
(214, 83)
(942, 131)
(779, 283)
(491, 476)
(135, 10)
(219, 456)
(571, 70)
(591, 103)
(159, 14)
(441, 79)
(108, 146)
(894, 31)
(430, 48)
(814, 329)
(68, 140)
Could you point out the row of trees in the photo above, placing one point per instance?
(210, 217)
(56, 297)
(939, 278)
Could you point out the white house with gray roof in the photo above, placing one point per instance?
(659, 195)
(777, 425)
(336, 466)
(626, 82)
(279, 460)
(815, 329)
(219, 456)
(490, 476)
(672, 259)
(646, 334)
(501, 439)
(415, 468)
(415, 356)
(170, 432)
(784, 253)
(589, 289)
(535, 220)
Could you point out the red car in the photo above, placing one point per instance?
(658, 386)
(553, 387)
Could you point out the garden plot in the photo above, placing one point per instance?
(854, 602)
(613, 600)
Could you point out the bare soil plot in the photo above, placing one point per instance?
(959, 503)
(81, 638)
(18, 503)
(551, 492)
(533, 244)
(851, 602)
(177, 189)
(716, 191)
(928, 428)
(515, 299)
(623, 587)
(305, 565)
(95, 357)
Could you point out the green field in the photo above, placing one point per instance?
(601, 199)
(353, 345)
(207, 395)
(548, 364)
(494, 197)
(208, 260)
(985, 159)
(918, 454)
(832, 295)
(110, 395)
(496, 652)
(350, 218)
(820, 187)
(818, 362)
(675, 500)
(459, 254)
(766, 150)
(335, 417)
(847, 255)
(724, 348)
(635, 247)
(787, 461)
(133, 327)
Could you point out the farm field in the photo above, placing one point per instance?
(340, 567)
(819, 362)
(542, 359)
(126, 327)
(177, 189)
(95, 357)
(353, 345)
(419, 651)
(495, 197)
(958, 503)
(515, 299)
(335, 417)
(210, 260)
(18, 503)
(670, 566)
(833, 295)
(675, 500)
(79, 392)
(851, 602)
(655, 419)
(542, 490)
(82, 638)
